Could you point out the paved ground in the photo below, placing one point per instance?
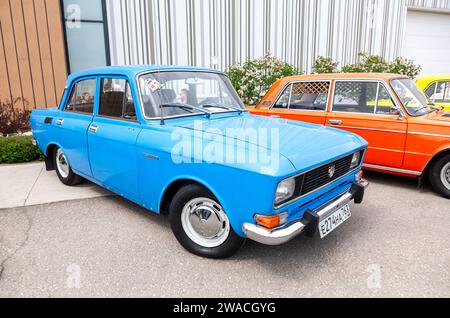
(396, 244)
(31, 184)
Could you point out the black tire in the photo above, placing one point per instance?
(189, 192)
(436, 176)
(71, 179)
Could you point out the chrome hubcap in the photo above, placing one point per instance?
(205, 222)
(61, 163)
(445, 175)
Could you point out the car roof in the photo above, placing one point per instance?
(432, 78)
(133, 70)
(383, 76)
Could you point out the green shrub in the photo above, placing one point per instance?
(369, 64)
(405, 67)
(253, 78)
(16, 149)
(324, 65)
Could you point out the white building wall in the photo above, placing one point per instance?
(219, 33)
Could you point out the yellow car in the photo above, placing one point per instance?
(437, 88)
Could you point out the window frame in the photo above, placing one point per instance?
(100, 92)
(141, 103)
(289, 84)
(447, 88)
(379, 82)
(74, 87)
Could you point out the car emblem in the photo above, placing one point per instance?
(331, 171)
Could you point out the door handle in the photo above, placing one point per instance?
(59, 121)
(93, 129)
(335, 122)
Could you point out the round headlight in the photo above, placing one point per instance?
(285, 190)
(355, 160)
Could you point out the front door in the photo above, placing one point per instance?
(112, 138)
(366, 108)
(304, 101)
(74, 120)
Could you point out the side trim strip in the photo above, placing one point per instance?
(372, 129)
(428, 134)
(414, 173)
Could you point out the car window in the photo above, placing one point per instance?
(439, 92)
(116, 99)
(305, 96)
(355, 97)
(283, 100)
(430, 92)
(82, 97)
(385, 103)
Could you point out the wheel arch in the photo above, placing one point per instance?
(434, 158)
(173, 188)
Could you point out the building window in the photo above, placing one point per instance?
(86, 34)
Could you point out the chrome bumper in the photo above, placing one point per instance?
(308, 223)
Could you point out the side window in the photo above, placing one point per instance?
(385, 102)
(430, 91)
(440, 92)
(355, 97)
(283, 100)
(309, 95)
(447, 92)
(82, 97)
(116, 99)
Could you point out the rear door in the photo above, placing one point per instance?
(304, 101)
(112, 138)
(366, 108)
(73, 122)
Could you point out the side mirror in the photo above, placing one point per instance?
(396, 110)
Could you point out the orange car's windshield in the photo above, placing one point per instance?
(413, 99)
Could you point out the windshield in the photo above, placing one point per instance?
(178, 93)
(413, 99)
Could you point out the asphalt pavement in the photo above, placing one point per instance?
(396, 244)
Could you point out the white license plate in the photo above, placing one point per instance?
(332, 221)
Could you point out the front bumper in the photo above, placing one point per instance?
(308, 223)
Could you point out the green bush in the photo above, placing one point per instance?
(325, 65)
(253, 78)
(369, 64)
(16, 149)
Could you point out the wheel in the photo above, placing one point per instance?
(201, 225)
(440, 176)
(63, 170)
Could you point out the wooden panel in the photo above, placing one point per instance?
(57, 45)
(10, 49)
(46, 53)
(35, 57)
(22, 53)
(5, 93)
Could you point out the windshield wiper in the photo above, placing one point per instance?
(223, 106)
(207, 113)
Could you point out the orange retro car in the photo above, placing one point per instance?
(407, 134)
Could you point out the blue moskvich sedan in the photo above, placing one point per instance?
(178, 140)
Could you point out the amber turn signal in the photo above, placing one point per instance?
(271, 221)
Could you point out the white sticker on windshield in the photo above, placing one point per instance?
(153, 85)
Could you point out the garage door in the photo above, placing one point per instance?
(427, 41)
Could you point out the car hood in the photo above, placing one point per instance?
(304, 145)
(439, 116)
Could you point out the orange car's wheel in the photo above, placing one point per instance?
(440, 176)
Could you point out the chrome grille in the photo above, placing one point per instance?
(319, 177)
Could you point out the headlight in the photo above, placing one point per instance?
(285, 191)
(356, 159)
